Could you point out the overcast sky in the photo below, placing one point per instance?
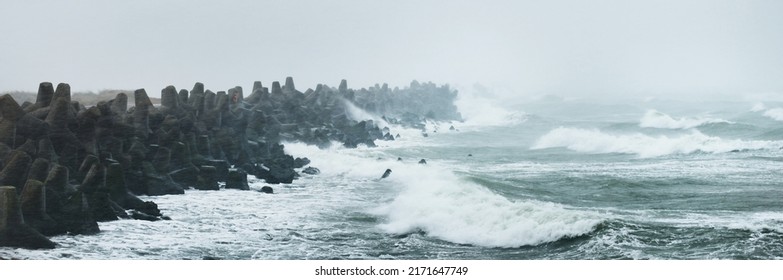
(579, 48)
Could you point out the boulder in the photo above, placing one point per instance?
(45, 94)
(207, 178)
(39, 170)
(76, 216)
(14, 172)
(13, 230)
(237, 179)
(33, 201)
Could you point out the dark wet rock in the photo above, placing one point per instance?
(451, 127)
(119, 105)
(187, 177)
(276, 89)
(289, 84)
(207, 179)
(141, 113)
(33, 201)
(386, 173)
(301, 162)
(221, 169)
(14, 232)
(137, 215)
(169, 97)
(45, 94)
(267, 189)
(311, 171)
(57, 179)
(423, 161)
(237, 179)
(46, 150)
(157, 183)
(102, 207)
(399, 159)
(343, 85)
(276, 174)
(93, 180)
(76, 216)
(39, 170)
(32, 128)
(15, 169)
(10, 109)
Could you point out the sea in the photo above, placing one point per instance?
(548, 179)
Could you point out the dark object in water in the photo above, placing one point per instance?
(386, 174)
(422, 161)
(311, 171)
(267, 189)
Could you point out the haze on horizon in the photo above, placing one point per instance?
(574, 48)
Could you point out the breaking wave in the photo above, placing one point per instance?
(595, 141)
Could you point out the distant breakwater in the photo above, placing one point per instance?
(64, 167)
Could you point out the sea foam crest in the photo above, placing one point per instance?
(445, 207)
(595, 141)
(656, 119)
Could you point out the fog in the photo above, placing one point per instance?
(515, 49)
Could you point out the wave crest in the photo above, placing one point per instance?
(656, 119)
(462, 212)
(595, 141)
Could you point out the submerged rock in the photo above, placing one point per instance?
(311, 171)
(267, 189)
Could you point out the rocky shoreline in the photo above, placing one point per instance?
(64, 167)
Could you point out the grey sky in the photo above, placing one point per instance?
(534, 47)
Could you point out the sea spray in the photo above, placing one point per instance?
(775, 114)
(480, 112)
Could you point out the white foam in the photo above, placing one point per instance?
(656, 119)
(437, 202)
(758, 107)
(775, 114)
(595, 141)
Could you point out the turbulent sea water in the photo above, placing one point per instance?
(553, 180)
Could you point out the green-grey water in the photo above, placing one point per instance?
(554, 182)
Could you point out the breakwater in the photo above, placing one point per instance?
(65, 166)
